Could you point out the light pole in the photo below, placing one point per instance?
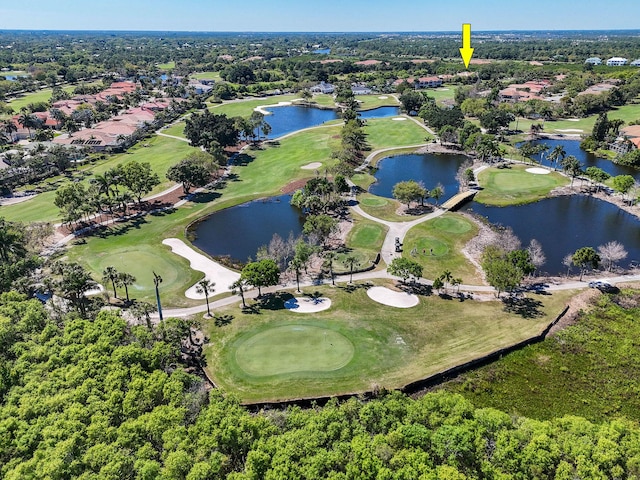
(157, 280)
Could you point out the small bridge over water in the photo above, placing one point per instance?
(458, 199)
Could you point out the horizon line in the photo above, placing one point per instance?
(327, 32)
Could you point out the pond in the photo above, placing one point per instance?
(291, 118)
(429, 168)
(564, 224)
(572, 147)
(239, 231)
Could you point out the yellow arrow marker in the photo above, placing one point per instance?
(466, 51)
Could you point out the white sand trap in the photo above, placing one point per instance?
(391, 298)
(538, 171)
(399, 119)
(573, 119)
(307, 305)
(311, 166)
(567, 130)
(383, 97)
(262, 110)
(222, 276)
(443, 89)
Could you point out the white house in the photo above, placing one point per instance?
(593, 61)
(636, 63)
(323, 87)
(361, 90)
(617, 62)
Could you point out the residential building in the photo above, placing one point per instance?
(617, 62)
(636, 63)
(594, 61)
(361, 90)
(323, 87)
(422, 82)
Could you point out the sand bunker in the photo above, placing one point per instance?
(399, 119)
(307, 305)
(392, 298)
(311, 166)
(383, 97)
(538, 171)
(567, 130)
(262, 110)
(222, 276)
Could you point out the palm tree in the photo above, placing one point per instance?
(572, 167)
(351, 261)
(29, 121)
(9, 128)
(238, 287)
(110, 274)
(126, 279)
(330, 256)
(446, 278)
(206, 286)
(296, 265)
(143, 310)
(558, 153)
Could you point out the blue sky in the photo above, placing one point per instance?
(318, 16)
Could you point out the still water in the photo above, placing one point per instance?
(428, 168)
(291, 118)
(239, 231)
(564, 224)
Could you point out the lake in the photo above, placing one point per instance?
(429, 168)
(239, 231)
(564, 224)
(291, 118)
(572, 147)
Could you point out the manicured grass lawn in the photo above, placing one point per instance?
(208, 75)
(385, 133)
(514, 185)
(160, 152)
(365, 241)
(244, 108)
(43, 95)
(438, 243)
(166, 66)
(176, 130)
(443, 93)
(590, 369)
(369, 102)
(136, 248)
(391, 346)
(363, 180)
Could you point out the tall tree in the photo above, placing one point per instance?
(351, 261)
(238, 287)
(612, 252)
(126, 280)
(206, 286)
(263, 273)
(110, 274)
(584, 258)
(405, 268)
(138, 178)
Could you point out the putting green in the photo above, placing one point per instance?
(452, 224)
(430, 246)
(291, 349)
(374, 201)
